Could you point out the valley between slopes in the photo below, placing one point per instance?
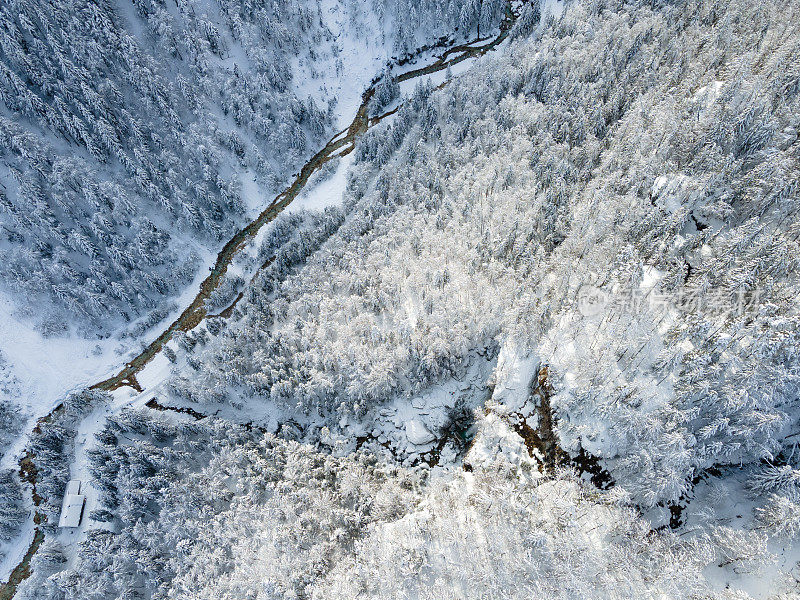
(339, 145)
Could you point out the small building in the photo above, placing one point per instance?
(72, 507)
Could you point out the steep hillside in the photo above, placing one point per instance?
(137, 139)
(536, 336)
(132, 134)
(604, 157)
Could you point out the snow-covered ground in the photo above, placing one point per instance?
(411, 427)
(48, 369)
(345, 76)
(725, 504)
(328, 191)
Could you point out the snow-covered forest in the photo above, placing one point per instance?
(536, 336)
(127, 130)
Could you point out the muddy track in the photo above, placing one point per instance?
(339, 145)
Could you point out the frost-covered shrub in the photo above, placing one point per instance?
(781, 514)
(775, 478)
(225, 293)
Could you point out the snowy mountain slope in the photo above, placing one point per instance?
(608, 200)
(127, 127)
(546, 346)
(93, 275)
(137, 137)
(474, 219)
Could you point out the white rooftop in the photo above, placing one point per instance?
(72, 508)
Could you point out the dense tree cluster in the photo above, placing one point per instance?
(411, 24)
(12, 507)
(127, 129)
(612, 197)
(509, 533)
(211, 510)
(604, 149)
(10, 414)
(190, 499)
(52, 449)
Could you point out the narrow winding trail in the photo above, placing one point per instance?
(339, 145)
